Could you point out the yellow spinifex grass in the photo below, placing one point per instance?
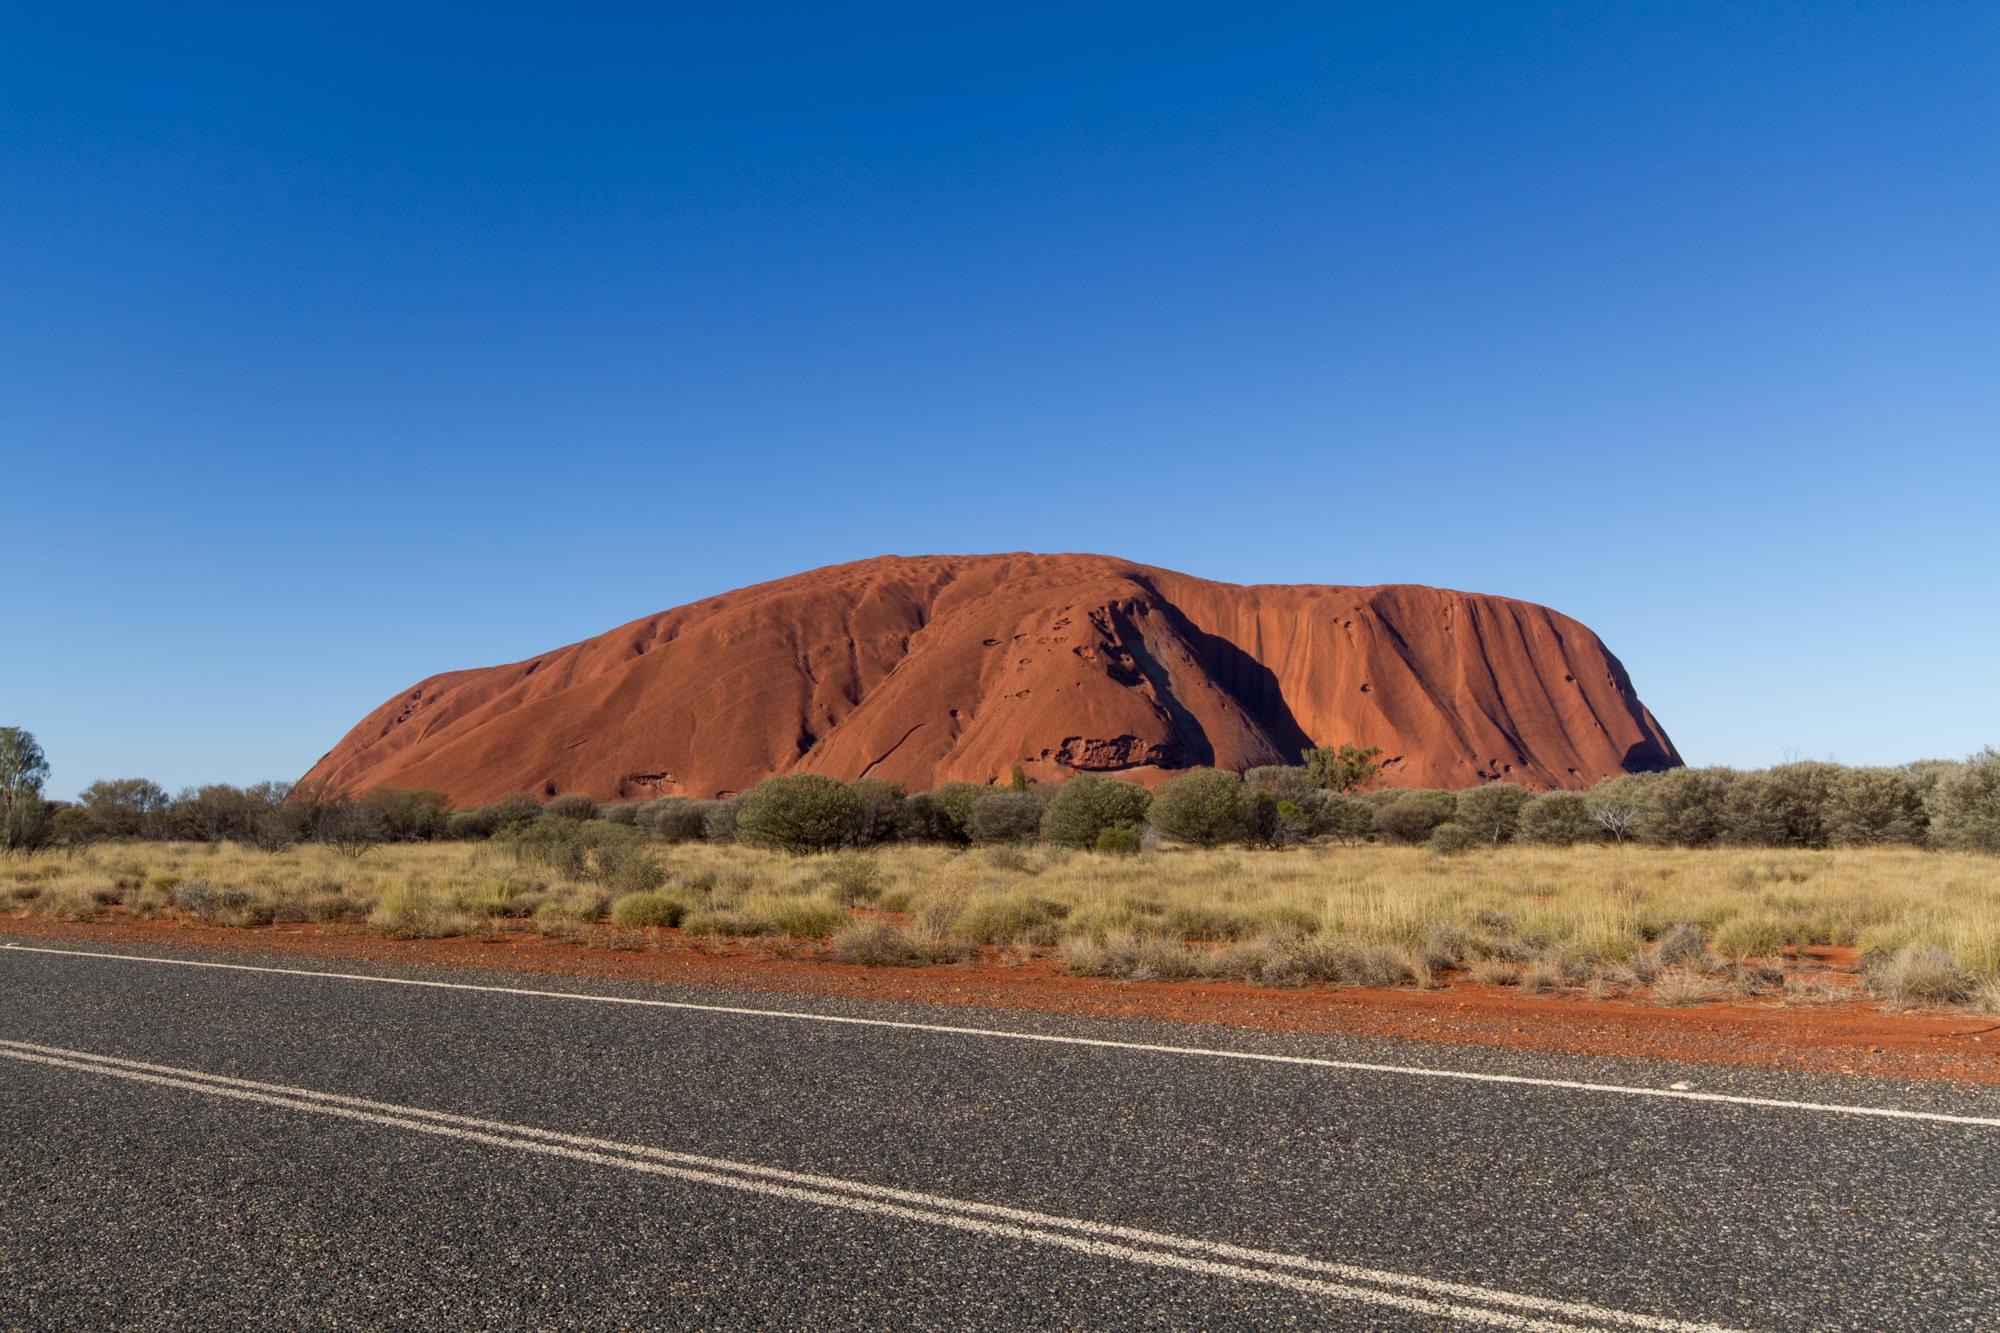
(1592, 908)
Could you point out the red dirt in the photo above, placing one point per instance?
(938, 668)
(1851, 1038)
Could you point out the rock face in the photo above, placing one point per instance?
(937, 668)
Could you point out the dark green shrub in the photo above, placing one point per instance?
(1088, 804)
(1118, 840)
(574, 805)
(1414, 814)
(1964, 805)
(800, 812)
(1688, 807)
(1452, 836)
(1346, 818)
(879, 807)
(1872, 806)
(674, 819)
(1205, 807)
(954, 802)
(1490, 814)
(1557, 819)
(718, 819)
(1004, 816)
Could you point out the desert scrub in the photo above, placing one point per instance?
(648, 909)
(882, 944)
(800, 915)
(405, 913)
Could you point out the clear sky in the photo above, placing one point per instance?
(340, 346)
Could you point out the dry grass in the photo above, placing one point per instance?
(1601, 920)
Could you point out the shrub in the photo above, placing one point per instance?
(1205, 807)
(718, 819)
(953, 801)
(1964, 805)
(1678, 986)
(879, 944)
(406, 913)
(1412, 815)
(1118, 840)
(1688, 807)
(1870, 806)
(1490, 815)
(921, 818)
(878, 810)
(1347, 818)
(1089, 803)
(1006, 817)
(802, 915)
(1919, 974)
(854, 878)
(572, 805)
(1556, 819)
(647, 909)
(675, 819)
(627, 868)
(1002, 918)
(1452, 836)
(800, 812)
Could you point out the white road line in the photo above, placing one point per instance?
(1005, 1034)
(1030, 1217)
(1400, 1291)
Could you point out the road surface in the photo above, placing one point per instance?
(204, 1140)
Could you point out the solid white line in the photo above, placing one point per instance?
(1262, 1057)
(1093, 1238)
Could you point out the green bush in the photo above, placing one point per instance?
(854, 878)
(1872, 806)
(1452, 836)
(1001, 816)
(1557, 819)
(1489, 815)
(574, 805)
(648, 909)
(1964, 805)
(1118, 840)
(674, 819)
(1089, 803)
(1414, 814)
(1205, 807)
(800, 812)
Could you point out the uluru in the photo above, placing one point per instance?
(930, 669)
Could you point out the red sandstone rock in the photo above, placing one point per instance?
(935, 668)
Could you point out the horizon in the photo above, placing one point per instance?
(338, 362)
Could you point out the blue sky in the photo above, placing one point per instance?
(340, 346)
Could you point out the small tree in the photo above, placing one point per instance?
(26, 823)
(1205, 807)
(1349, 768)
(800, 812)
(354, 829)
(1090, 803)
(1619, 819)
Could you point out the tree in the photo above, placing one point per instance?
(354, 829)
(124, 807)
(1965, 804)
(1344, 770)
(1090, 803)
(800, 812)
(1619, 819)
(1204, 807)
(26, 823)
(1490, 814)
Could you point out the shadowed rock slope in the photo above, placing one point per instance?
(934, 668)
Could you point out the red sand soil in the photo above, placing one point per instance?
(1849, 1038)
(930, 669)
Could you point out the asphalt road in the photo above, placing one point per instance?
(199, 1147)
